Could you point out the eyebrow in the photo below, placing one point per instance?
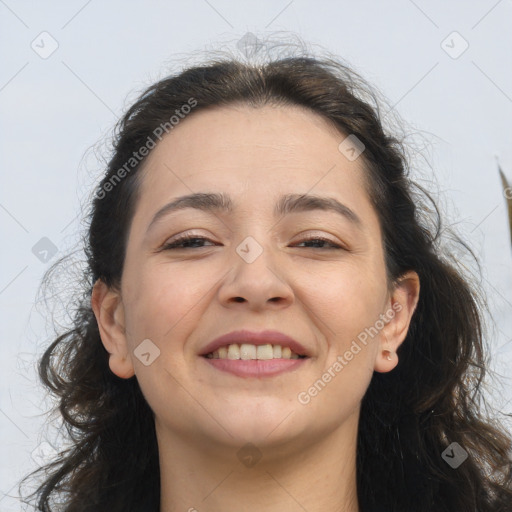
(288, 203)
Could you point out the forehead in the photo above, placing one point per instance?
(265, 148)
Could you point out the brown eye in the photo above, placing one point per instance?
(186, 242)
(320, 240)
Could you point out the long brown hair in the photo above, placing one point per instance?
(409, 416)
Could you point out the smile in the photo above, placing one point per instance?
(246, 360)
(247, 351)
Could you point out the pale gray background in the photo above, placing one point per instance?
(54, 109)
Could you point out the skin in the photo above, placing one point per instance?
(323, 297)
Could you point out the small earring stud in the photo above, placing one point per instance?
(388, 356)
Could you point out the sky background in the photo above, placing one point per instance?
(70, 69)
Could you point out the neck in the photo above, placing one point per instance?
(319, 476)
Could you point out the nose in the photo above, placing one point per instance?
(258, 283)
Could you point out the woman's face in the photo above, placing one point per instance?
(254, 269)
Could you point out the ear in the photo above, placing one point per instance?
(400, 308)
(109, 312)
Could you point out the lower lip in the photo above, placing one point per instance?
(255, 367)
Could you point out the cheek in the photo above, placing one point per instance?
(161, 296)
(347, 305)
(347, 297)
(346, 315)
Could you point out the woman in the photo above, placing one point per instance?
(268, 322)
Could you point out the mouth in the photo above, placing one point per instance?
(254, 361)
(247, 351)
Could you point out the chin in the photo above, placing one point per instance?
(264, 422)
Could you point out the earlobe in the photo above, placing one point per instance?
(401, 307)
(109, 312)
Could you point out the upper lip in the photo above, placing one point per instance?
(255, 338)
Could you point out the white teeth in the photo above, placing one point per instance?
(234, 352)
(247, 351)
(265, 352)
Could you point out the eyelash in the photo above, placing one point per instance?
(175, 244)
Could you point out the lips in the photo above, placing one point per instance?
(255, 338)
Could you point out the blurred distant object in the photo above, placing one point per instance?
(507, 192)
